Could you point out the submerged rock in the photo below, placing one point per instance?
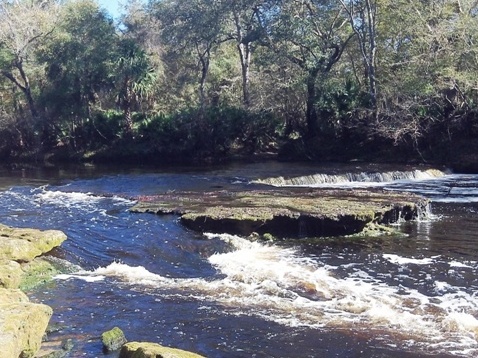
(37, 272)
(153, 350)
(22, 324)
(292, 212)
(55, 349)
(26, 275)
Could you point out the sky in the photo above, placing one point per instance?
(112, 6)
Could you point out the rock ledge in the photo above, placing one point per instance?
(292, 212)
(23, 323)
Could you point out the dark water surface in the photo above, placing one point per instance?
(413, 295)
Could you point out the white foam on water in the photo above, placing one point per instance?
(460, 264)
(400, 260)
(455, 199)
(130, 274)
(84, 277)
(439, 186)
(75, 200)
(65, 198)
(277, 284)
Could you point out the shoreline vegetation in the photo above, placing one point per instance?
(204, 82)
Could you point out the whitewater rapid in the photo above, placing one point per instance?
(279, 285)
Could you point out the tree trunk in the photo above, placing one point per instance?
(371, 56)
(204, 59)
(365, 29)
(244, 49)
(245, 56)
(126, 106)
(24, 87)
(311, 110)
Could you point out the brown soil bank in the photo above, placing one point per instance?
(297, 212)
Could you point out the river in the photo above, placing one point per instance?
(408, 295)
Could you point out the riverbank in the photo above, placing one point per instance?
(23, 323)
(458, 155)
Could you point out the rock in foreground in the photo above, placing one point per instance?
(292, 212)
(22, 324)
(113, 339)
(24, 245)
(153, 350)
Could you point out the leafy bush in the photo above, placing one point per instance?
(209, 132)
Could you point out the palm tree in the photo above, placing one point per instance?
(136, 78)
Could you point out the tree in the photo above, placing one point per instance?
(135, 76)
(312, 34)
(192, 26)
(24, 27)
(80, 67)
(245, 31)
(363, 20)
(427, 48)
(141, 24)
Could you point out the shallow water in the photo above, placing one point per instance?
(410, 295)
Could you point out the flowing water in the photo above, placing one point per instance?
(410, 295)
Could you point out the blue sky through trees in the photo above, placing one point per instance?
(112, 6)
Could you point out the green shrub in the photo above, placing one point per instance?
(208, 132)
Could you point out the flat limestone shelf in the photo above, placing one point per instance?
(291, 212)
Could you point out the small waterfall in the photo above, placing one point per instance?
(425, 213)
(362, 177)
(302, 228)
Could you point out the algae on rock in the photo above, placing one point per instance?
(22, 324)
(113, 339)
(153, 350)
(24, 245)
(285, 212)
(37, 272)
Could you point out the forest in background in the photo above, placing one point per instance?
(189, 80)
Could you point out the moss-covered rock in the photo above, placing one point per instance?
(153, 350)
(291, 212)
(36, 272)
(55, 349)
(113, 339)
(22, 324)
(8, 296)
(10, 274)
(26, 275)
(24, 245)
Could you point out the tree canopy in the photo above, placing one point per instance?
(207, 78)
